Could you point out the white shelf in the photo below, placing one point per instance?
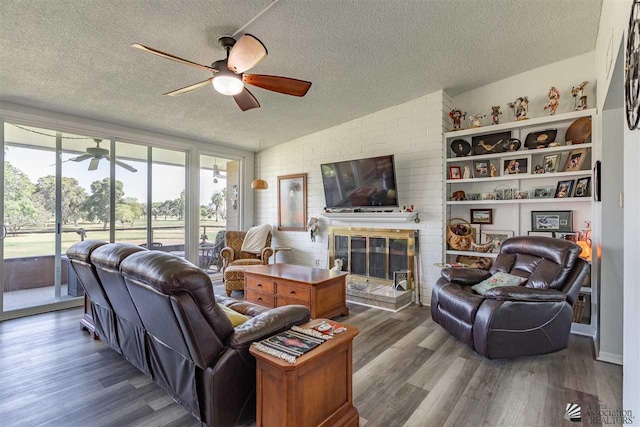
(538, 121)
(585, 290)
(520, 176)
(516, 201)
(519, 153)
(470, 253)
(379, 217)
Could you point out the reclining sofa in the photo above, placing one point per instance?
(160, 313)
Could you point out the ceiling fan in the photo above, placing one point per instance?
(96, 154)
(229, 76)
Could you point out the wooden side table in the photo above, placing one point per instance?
(315, 391)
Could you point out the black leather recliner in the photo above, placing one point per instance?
(513, 321)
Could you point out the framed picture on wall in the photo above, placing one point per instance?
(481, 216)
(292, 202)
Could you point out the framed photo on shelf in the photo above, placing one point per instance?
(552, 221)
(497, 236)
(550, 162)
(292, 202)
(508, 194)
(575, 160)
(516, 166)
(544, 192)
(481, 216)
(583, 185)
(481, 168)
(455, 172)
(488, 196)
(489, 144)
(521, 195)
(572, 237)
(541, 233)
(563, 190)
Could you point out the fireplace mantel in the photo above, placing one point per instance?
(373, 217)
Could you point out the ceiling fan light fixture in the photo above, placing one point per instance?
(228, 84)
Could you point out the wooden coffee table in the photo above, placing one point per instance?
(275, 285)
(315, 391)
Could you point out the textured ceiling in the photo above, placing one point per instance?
(74, 56)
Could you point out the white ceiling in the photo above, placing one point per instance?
(74, 56)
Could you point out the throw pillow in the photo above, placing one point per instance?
(234, 317)
(498, 279)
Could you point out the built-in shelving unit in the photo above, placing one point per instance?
(514, 215)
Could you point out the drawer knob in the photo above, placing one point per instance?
(292, 292)
(259, 285)
(259, 298)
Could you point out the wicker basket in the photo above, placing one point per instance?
(464, 238)
(578, 308)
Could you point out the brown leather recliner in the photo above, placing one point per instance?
(514, 321)
(195, 354)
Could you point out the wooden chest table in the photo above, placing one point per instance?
(275, 285)
(315, 391)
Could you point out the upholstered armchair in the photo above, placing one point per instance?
(233, 255)
(511, 321)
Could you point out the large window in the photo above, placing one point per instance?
(62, 188)
(131, 193)
(168, 199)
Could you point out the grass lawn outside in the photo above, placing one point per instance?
(168, 232)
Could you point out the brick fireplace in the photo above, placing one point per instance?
(371, 256)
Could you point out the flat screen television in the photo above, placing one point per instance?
(360, 183)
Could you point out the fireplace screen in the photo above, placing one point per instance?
(374, 254)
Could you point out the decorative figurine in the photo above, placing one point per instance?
(457, 115)
(520, 107)
(579, 98)
(495, 115)
(458, 196)
(493, 170)
(467, 171)
(474, 120)
(539, 169)
(553, 98)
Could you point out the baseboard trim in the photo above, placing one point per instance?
(604, 356)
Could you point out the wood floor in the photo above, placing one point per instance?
(407, 372)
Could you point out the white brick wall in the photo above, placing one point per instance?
(411, 131)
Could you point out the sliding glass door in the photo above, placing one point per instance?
(61, 188)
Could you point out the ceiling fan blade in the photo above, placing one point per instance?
(80, 158)
(246, 100)
(245, 54)
(173, 57)
(94, 163)
(190, 88)
(126, 166)
(285, 85)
